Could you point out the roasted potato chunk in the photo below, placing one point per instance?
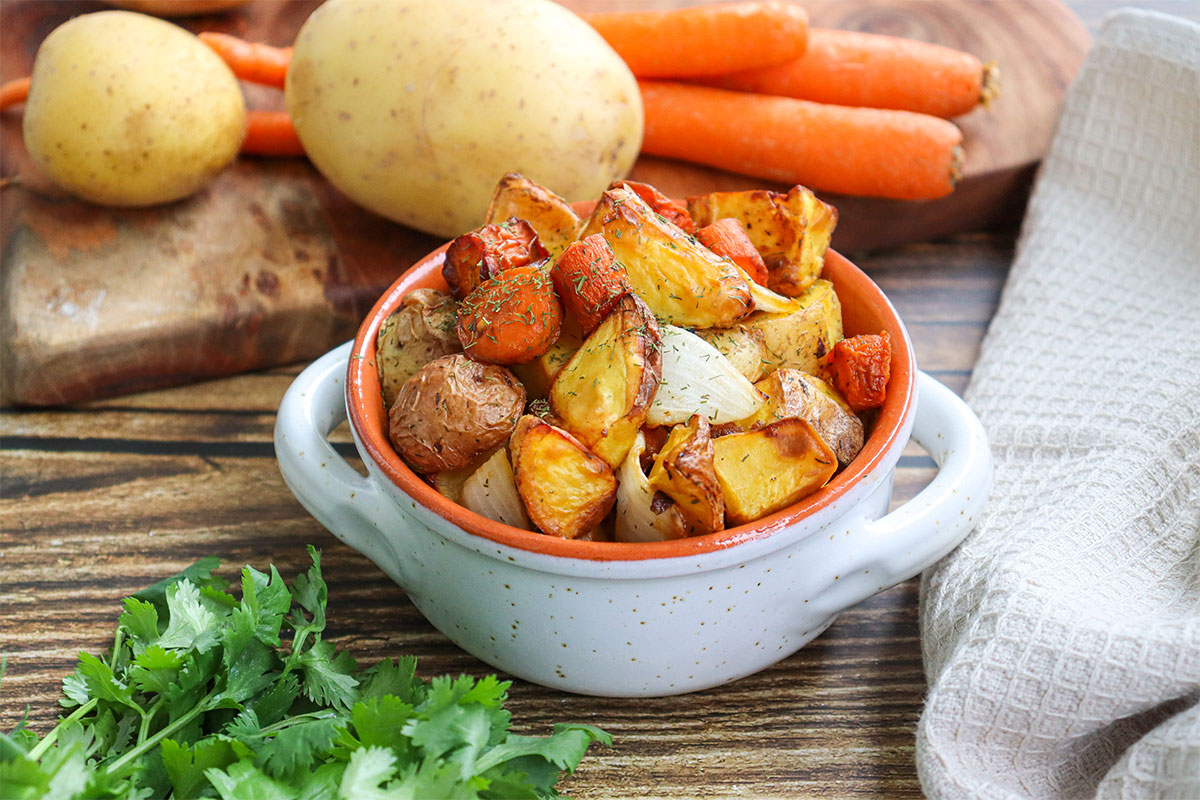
(567, 489)
(488, 251)
(419, 331)
(790, 231)
(452, 411)
(664, 206)
(449, 484)
(683, 470)
(551, 216)
(803, 338)
(681, 280)
(604, 392)
(764, 470)
(795, 394)
(742, 345)
(539, 374)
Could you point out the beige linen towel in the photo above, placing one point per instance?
(1062, 639)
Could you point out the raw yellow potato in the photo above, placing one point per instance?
(604, 392)
(567, 490)
(682, 281)
(801, 339)
(129, 110)
(415, 109)
(683, 471)
(764, 470)
(743, 347)
(790, 231)
(791, 393)
(422, 329)
(552, 217)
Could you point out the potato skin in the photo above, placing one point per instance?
(420, 330)
(453, 410)
(129, 110)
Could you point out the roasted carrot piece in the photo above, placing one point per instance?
(512, 318)
(488, 251)
(254, 62)
(664, 206)
(13, 92)
(270, 133)
(858, 151)
(859, 368)
(705, 40)
(850, 68)
(726, 237)
(590, 281)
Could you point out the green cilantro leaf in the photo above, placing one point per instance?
(241, 780)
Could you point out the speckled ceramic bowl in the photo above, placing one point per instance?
(625, 619)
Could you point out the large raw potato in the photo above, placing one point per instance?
(417, 108)
(129, 110)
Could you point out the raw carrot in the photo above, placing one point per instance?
(590, 281)
(858, 151)
(705, 40)
(859, 368)
(251, 61)
(664, 206)
(726, 237)
(270, 133)
(13, 92)
(488, 251)
(850, 68)
(511, 318)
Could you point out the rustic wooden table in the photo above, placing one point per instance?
(100, 499)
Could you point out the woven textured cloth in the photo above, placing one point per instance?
(1062, 639)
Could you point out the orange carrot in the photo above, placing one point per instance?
(859, 368)
(858, 151)
(511, 318)
(13, 92)
(270, 133)
(489, 250)
(590, 281)
(705, 40)
(251, 61)
(849, 68)
(726, 237)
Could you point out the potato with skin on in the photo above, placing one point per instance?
(423, 328)
(604, 392)
(488, 251)
(567, 489)
(742, 345)
(664, 206)
(681, 280)
(767, 469)
(683, 470)
(803, 338)
(556, 223)
(452, 411)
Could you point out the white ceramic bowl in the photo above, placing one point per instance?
(626, 619)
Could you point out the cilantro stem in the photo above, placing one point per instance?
(41, 747)
(200, 708)
(148, 717)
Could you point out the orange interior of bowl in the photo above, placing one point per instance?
(865, 309)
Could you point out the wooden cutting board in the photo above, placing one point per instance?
(270, 265)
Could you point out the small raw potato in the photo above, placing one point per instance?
(452, 411)
(770, 468)
(488, 251)
(511, 318)
(860, 368)
(589, 281)
(421, 329)
(567, 489)
(742, 345)
(727, 238)
(795, 394)
(791, 231)
(604, 392)
(664, 206)
(803, 338)
(683, 470)
(682, 281)
(556, 223)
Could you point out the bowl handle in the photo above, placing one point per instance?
(349, 505)
(917, 534)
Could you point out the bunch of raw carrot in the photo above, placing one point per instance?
(748, 87)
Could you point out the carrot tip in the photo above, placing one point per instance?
(989, 87)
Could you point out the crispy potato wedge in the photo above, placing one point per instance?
(604, 392)
(795, 394)
(790, 231)
(551, 216)
(683, 471)
(420, 330)
(742, 345)
(681, 280)
(803, 338)
(764, 470)
(567, 490)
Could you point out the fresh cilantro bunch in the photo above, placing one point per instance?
(203, 695)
